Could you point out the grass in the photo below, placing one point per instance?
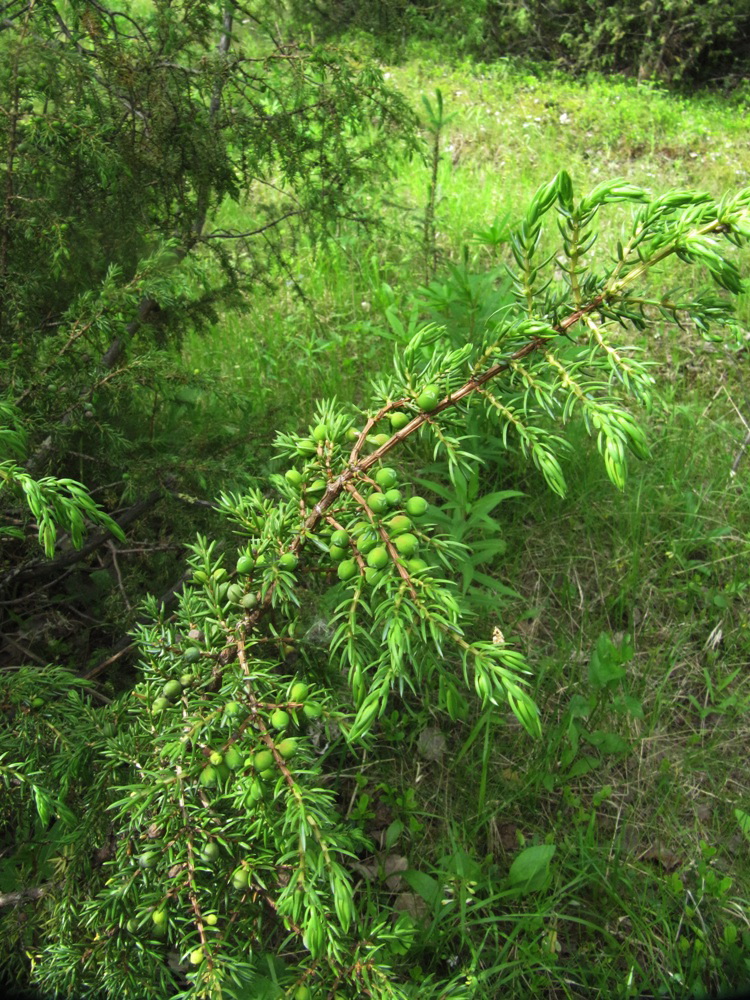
(510, 132)
(637, 778)
(644, 825)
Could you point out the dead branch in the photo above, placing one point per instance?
(49, 567)
(21, 895)
(167, 600)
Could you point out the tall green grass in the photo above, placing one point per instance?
(510, 132)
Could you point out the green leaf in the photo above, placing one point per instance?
(612, 191)
(604, 665)
(11, 532)
(565, 189)
(582, 766)
(487, 503)
(606, 742)
(463, 864)
(744, 820)
(633, 705)
(43, 803)
(579, 707)
(66, 815)
(393, 832)
(545, 197)
(251, 985)
(531, 869)
(425, 886)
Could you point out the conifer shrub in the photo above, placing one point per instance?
(191, 839)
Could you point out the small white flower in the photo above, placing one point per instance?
(565, 118)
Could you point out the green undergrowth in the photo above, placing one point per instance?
(632, 607)
(321, 325)
(610, 857)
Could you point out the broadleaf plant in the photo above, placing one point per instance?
(199, 843)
